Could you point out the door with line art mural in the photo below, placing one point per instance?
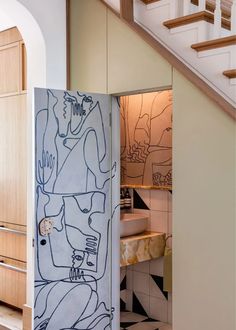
(73, 178)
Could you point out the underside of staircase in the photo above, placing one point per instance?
(197, 37)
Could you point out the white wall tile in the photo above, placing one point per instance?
(158, 309)
(156, 266)
(122, 273)
(141, 282)
(144, 300)
(145, 195)
(154, 290)
(142, 267)
(159, 221)
(129, 300)
(129, 279)
(159, 200)
(123, 295)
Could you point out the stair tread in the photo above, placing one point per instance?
(214, 43)
(230, 73)
(210, 5)
(147, 2)
(196, 17)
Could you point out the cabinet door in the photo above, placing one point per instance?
(12, 282)
(73, 172)
(10, 68)
(13, 244)
(13, 159)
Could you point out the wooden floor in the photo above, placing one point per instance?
(10, 318)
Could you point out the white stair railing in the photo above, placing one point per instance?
(233, 17)
(186, 7)
(201, 5)
(217, 19)
(174, 9)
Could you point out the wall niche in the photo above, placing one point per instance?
(146, 140)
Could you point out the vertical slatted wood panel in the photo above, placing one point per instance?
(13, 159)
(13, 291)
(9, 68)
(13, 146)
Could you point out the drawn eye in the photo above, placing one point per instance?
(89, 263)
(79, 258)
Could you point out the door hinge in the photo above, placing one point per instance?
(32, 242)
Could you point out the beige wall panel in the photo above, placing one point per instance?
(13, 159)
(88, 46)
(133, 64)
(9, 68)
(203, 211)
(96, 33)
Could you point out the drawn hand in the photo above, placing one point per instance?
(46, 167)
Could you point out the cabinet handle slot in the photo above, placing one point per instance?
(16, 269)
(12, 231)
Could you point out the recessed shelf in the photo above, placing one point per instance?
(141, 247)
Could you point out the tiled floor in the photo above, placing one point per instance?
(10, 318)
(132, 321)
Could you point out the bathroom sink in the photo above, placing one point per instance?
(132, 224)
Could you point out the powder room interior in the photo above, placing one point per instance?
(146, 210)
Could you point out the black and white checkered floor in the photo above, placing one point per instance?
(132, 321)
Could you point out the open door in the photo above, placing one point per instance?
(73, 175)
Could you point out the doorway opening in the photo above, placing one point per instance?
(146, 210)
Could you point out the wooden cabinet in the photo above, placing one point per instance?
(9, 68)
(12, 282)
(13, 244)
(13, 159)
(13, 168)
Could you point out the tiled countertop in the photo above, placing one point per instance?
(142, 247)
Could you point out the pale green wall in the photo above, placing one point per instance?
(203, 211)
(106, 56)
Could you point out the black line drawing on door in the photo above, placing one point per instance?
(72, 199)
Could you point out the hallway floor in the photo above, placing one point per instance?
(132, 321)
(10, 318)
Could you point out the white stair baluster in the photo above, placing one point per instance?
(201, 5)
(186, 7)
(174, 9)
(233, 17)
(217, 20)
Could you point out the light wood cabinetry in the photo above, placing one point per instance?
(13, 171)
(13, 291)
(9, 68)
(13, 160)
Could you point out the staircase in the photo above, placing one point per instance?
(194, 35)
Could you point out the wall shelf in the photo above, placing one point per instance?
(142, 247)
